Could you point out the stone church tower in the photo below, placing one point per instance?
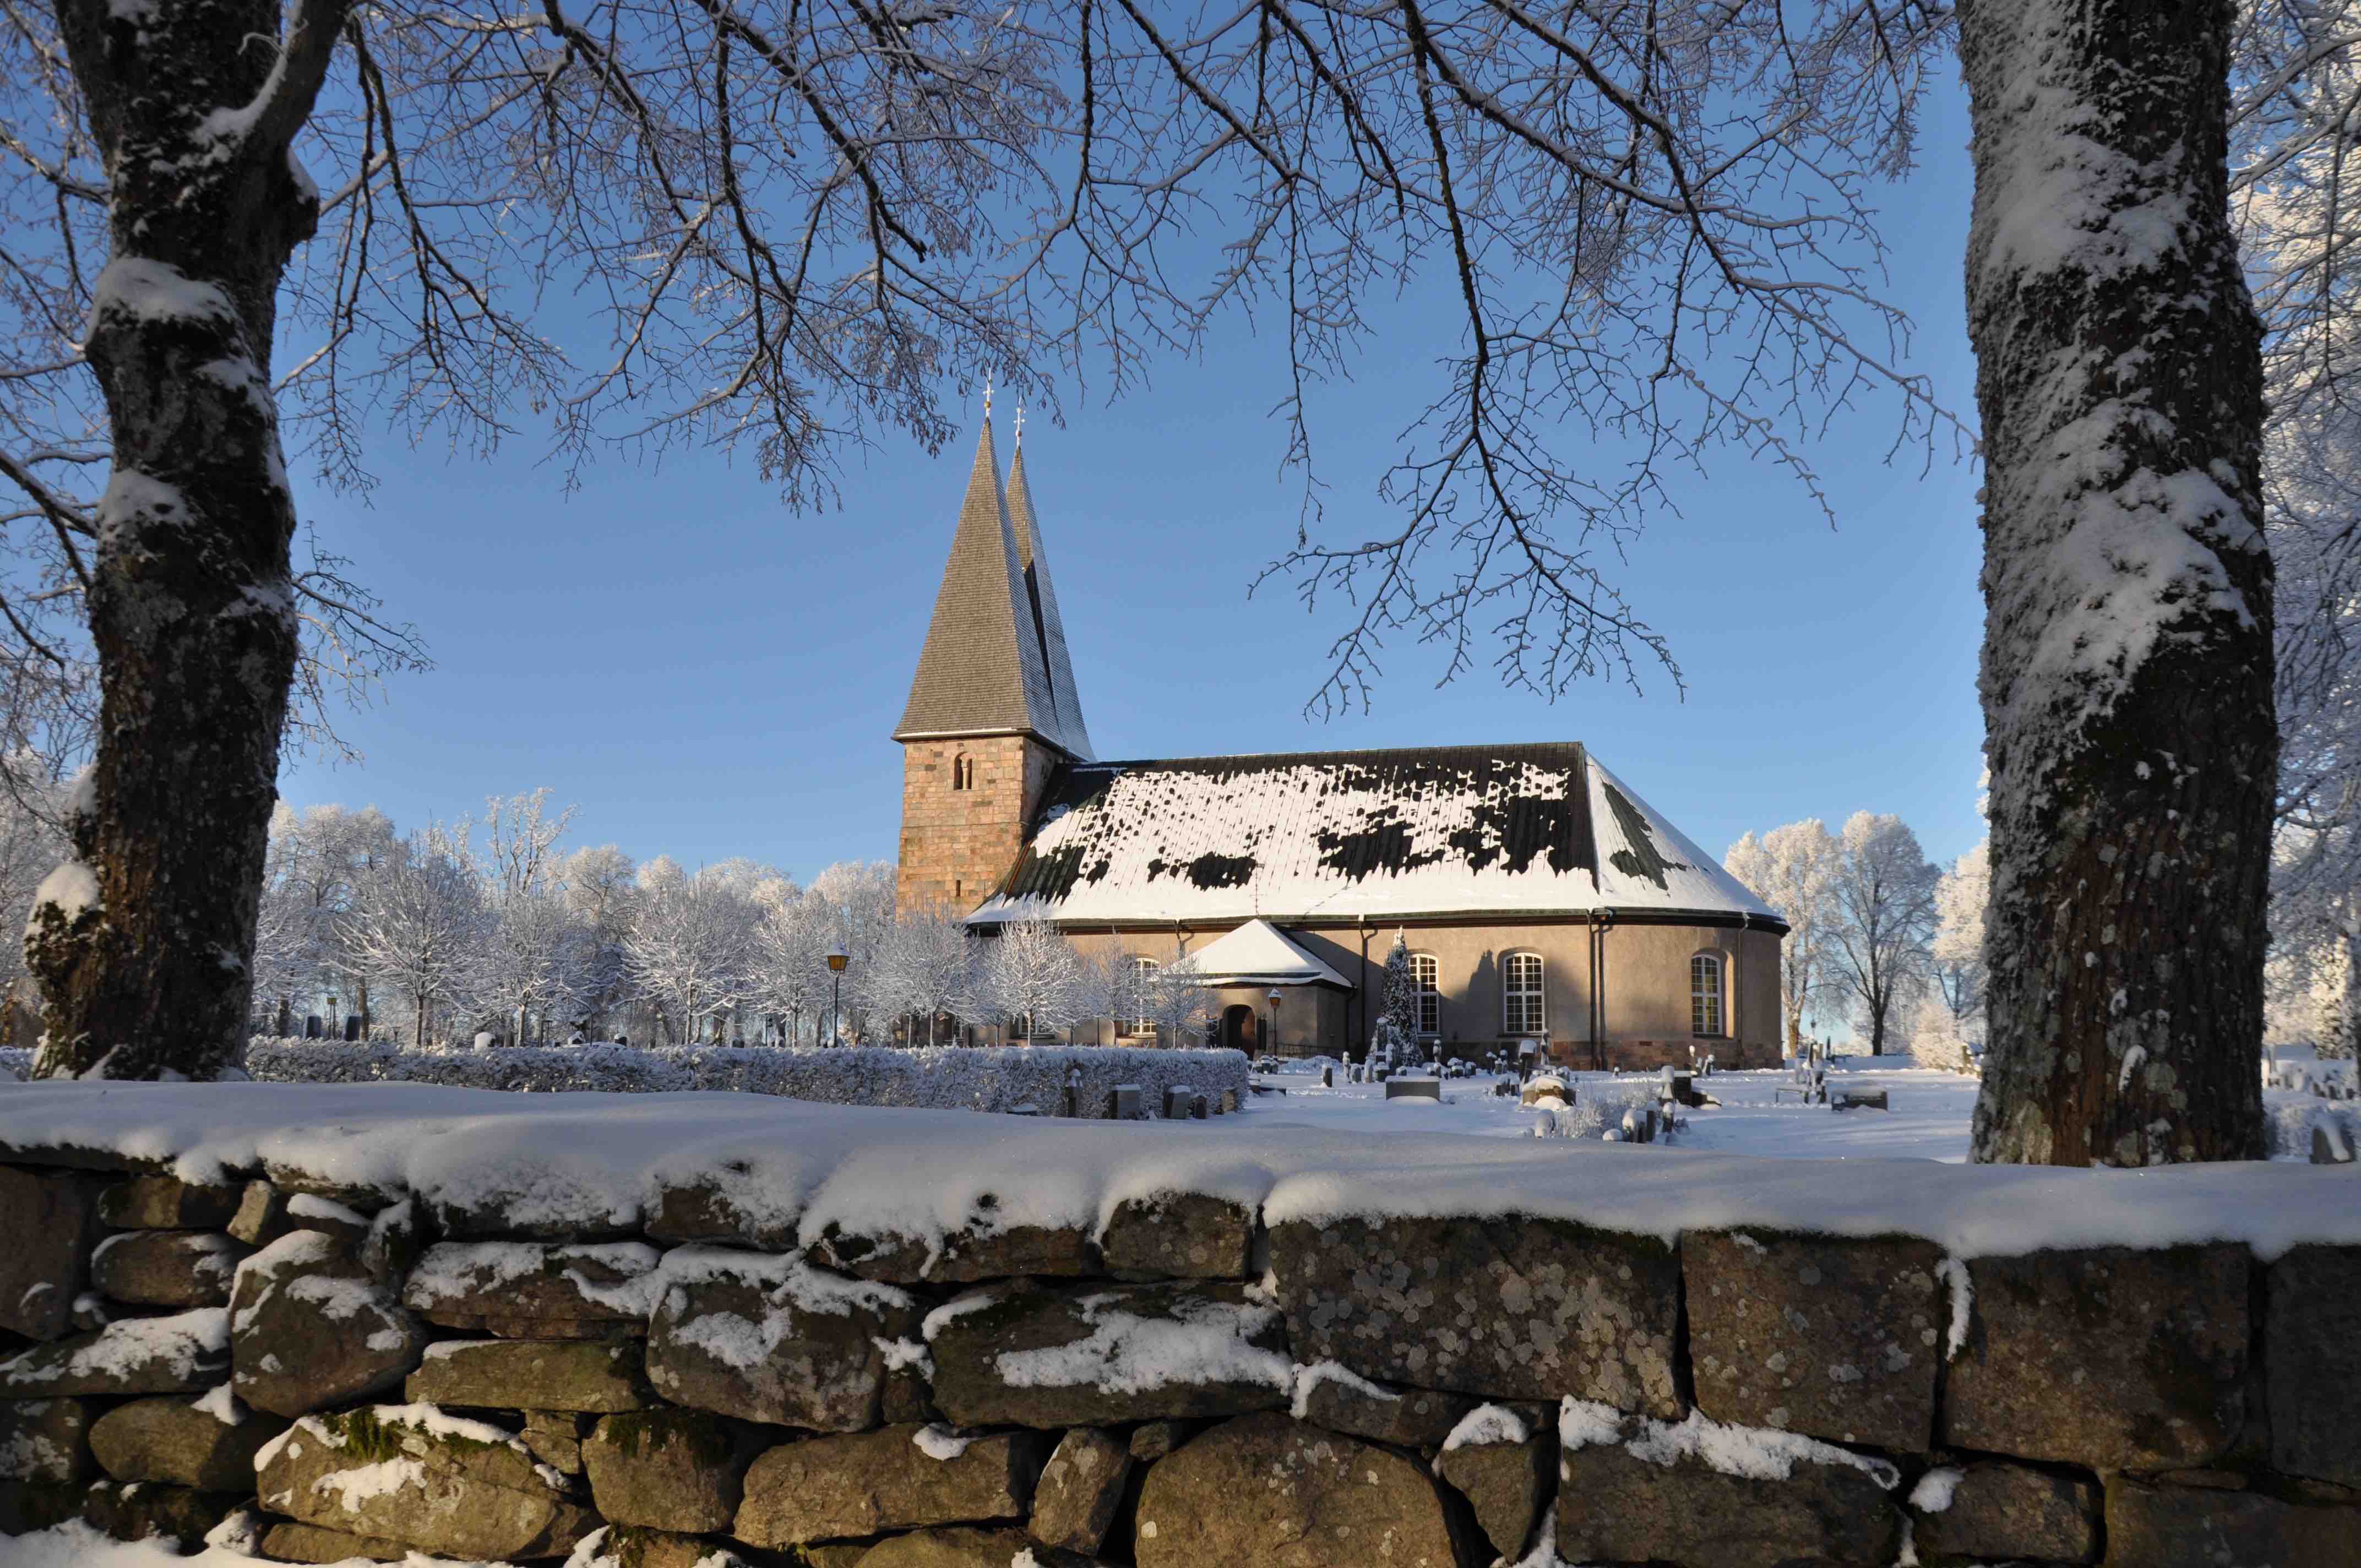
(992, 709)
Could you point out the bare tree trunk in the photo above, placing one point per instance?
(2127, 657)
(143, 941)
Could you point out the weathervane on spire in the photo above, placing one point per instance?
(987, 397)
(1020, 424)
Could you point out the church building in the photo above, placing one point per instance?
(1541, 897)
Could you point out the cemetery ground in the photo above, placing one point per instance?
(1928, 1118)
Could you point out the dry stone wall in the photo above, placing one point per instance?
(310, 1371)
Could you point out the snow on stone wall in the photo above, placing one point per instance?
(946, 1078)
(311, 1319)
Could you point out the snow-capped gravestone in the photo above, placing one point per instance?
(1265, 1489)
(2109, 1357)
(1094, 1356)
(772, 1339)
(310, 1329)
(432, 1482)
(1517, 1307)
(1829, 1336)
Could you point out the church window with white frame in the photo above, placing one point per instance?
(1705, 995)
(1143, 980)
(1520, 994)
(1426, 974)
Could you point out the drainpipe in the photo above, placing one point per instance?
(1360, 992)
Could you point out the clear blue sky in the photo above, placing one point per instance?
(706, 674)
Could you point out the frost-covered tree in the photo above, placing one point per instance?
(31, 840)
(791, 934)
(1792, 869)
(2127, 674)
(1033, 975)
(416, 926)
(601, 888)
(1175, 998)
(794, 225)
(1395, 1038)
(1882, 912)
(856, 900)
(923, 968)
(1956, 974)
(690, 945)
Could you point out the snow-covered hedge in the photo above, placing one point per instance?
(15, 1061)
(957, 1078)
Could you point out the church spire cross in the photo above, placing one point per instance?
(987, 397)
(1020, 424)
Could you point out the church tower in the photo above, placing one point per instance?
(992, 708)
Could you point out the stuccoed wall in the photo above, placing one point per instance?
(953, 1077)
(299, 1355)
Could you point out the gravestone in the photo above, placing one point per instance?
(311, 1030)
(1123, 1103)
(1415, 1089)
(352, 1027)
(1177, 1101)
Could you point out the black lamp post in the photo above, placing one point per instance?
(837, 959)
(1273, 1047)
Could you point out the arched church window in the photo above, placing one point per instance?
(1705, 995)
(962, 771)
(1426, 974)
(1520, 994)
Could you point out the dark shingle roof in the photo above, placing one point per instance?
(1432, 830)
(983, 669)
(1033, 562)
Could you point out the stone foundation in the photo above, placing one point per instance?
(1180, 1385)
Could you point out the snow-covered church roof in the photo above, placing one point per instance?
(1258, 953)
(1448, 830)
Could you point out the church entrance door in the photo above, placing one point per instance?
(1239, 1029)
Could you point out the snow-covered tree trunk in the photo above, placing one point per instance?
(142, 940)
(2127, 657)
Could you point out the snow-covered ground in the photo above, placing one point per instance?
(1929, 1119)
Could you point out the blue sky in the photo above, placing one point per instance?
(706, 674)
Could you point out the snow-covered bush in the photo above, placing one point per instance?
(962, 1078)
(1599, 1110)
(16, 1062)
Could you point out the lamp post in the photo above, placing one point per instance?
(837, 959)
(1274, 1021)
